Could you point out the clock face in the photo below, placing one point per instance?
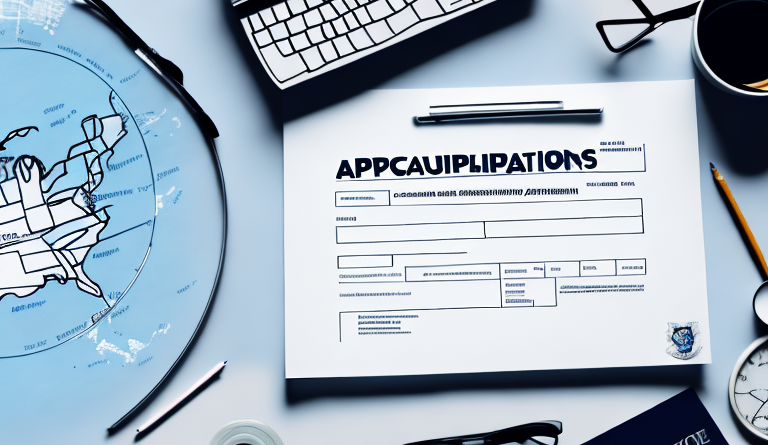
(749, 388)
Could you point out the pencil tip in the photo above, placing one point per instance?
(225, 362)
(712, 166)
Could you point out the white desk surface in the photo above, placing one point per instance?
(509, 42)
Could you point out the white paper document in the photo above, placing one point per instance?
(518, 244)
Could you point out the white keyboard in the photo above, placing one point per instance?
(300, 39)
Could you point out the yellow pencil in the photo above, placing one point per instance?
(740, 218)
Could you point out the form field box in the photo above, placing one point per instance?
(522, 270)
(409, 232)
(598, 208)
(364, 198)
(564, 227)
(528, 292)
(598, 268)
(425, 295)
(453, 273)
(529, 219)
(630, 267)
(562, 269)
(364, 261)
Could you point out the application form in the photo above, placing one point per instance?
(518, 244)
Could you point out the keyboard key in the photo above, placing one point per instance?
(300, 41)
(267, 17)
(343, 46)
(360, 39)
(281, 11)
(312, 58)
(328, 30)
(296, 25)
(341, 8)
(362, 2)
(313, 3)
(452, 5)
(263, 38)
(297, 6)
(351, 22)
(285, 47)
(279, 31)
(362, 16)
(328, 51)
(316, 35)
(340, 26)
(255, 22)
(379, 31)
(397, 4)
(351, 4)
(427, 8)
(379, 9)
(403, 20)
(328, 12)
(313, 17)
(283, 68)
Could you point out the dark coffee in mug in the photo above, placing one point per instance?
(733, 39)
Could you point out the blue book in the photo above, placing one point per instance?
(680, 420)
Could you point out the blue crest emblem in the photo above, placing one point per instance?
(683, 339)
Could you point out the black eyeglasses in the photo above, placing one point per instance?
(620, 35)
(538, 433)
(163, 67)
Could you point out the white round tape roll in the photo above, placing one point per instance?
(246, 432)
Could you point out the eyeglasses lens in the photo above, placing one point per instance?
(620, 35)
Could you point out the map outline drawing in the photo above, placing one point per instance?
(19, 132)
(49, 221)
(116, 196)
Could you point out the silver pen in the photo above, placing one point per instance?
(464, 112)
(149, 424)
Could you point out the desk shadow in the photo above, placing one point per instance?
(374, 69)
(302, 390)
(761, 329)
(613, 67)
(740, 124)
(270, 92)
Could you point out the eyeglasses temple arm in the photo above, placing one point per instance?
(644, 9)
(677, 14)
